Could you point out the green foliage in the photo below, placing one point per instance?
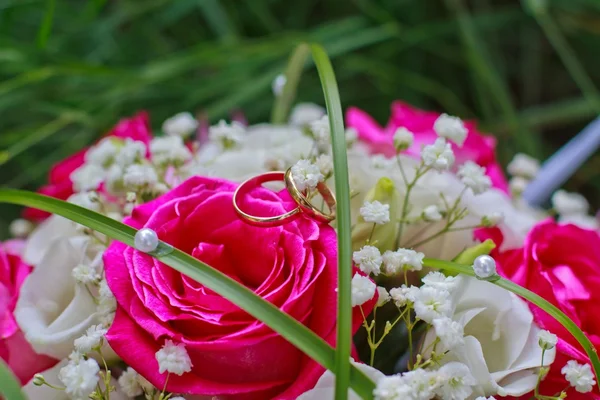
(70, 69)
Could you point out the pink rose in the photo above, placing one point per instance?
(477, 147)
(14, 349)
(561, 263)
(59, 181)
(234, 356)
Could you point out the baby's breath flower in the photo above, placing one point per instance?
(87, 177)
(173, 358)
(169, 150)
(380, 161)
(351, 136)
(305, 113)
(86, 273)
(518, 185)
(456, 381)
(492, 219)
(139, 176)
(325, 164)
(566, 203)
(451, 333)
(451, 128)
(375, 212)
(432, 213)
(80, 378)
(278, 84)
(403, 294)
(129, 383)
(182, 124)
(306, 175)
(131, 152)
(579, 376)
(383, 296)
(102, 154)
(524, 166)
(368, 259)
(431, 303)
(403, 139)
(547, 340)
(321, 130)
(20, 228)
(402, 259)
(228, 135)
(473, 176)
(363, 290)
(438, 155)
(438, 280)
(93, 338)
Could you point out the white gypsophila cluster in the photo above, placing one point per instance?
(363, 290)
(304, 113)
(351, 135)
(438, 280)
(546, 339)
(92, 339)
(278, 84)
(451, 128)
(438, 155)
(87, 273)
(306, 175)
(524, 166)
(380, 161)
(491, 220)
(139, 176)
(383, 296)
(431, 303)
(518, 185)
(325, 164)
(474, 177)
(107, 304)
(169, 150)
(87, 177)
(565, 203)
(432, 213)
(368, 259)
(130, 384)
(403, 139)
(102, 154)
(402, 259)
(228, 135)
(131, 152)
(580, 376)
(451, 333)
(321, 131)
(173, 358)
(80, 378)
(182, 124)
(403, 294)
(20, 228)
(375, 212)
(456, 381)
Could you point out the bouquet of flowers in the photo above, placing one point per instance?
(298, 260)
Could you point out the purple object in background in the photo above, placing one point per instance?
(563, 164)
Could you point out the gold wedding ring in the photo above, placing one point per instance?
(304, 206)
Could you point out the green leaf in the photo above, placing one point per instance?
(46, 27)
(292, 75)
(292, 330)
(9, 385)
(539, 301)
(344, 225)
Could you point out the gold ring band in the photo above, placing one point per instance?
(305, 205)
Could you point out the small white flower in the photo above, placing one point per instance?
(139, 176)
(375, 212)
(432, 213)
(402, 259)
(451, 128)
(306, 175)
(80, 378)
(438, 155)
(325, 164)
(579, 376)
(169, 150)
(383, 296)
(182, 124)
(566, 203)
(403, 294)
(129, 383)
(351, 136)
(228, 135)
(177, 398)
(473, 176)
(278, 84)
(20, 228)
(403, 139)
(456, 381)
(431, 303)
(107, 304)
(102, 154)
(379, 161)
(363, 290)
(368, 259)
(451, 333)
(131, 152)
(87, 177)
(547, 340)
(524, 166)
(518, 185)
(438, 280)
(321, 130)
(419, 384)
(93, 338)
(86, 273)
(173, 358)
(388, 388)
(305, 113)
(484, 266)
(492, 219)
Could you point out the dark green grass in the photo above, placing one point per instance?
(71, 69)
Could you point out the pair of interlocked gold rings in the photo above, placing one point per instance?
(303, 204)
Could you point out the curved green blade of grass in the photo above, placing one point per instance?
(539, 301)
(292, 330)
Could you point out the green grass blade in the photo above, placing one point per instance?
(292, 330)
(9, 385)
(46, 27)
(342, 190)
(283, 103)
(539, 301)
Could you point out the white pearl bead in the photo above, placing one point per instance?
(484, 266)
(146, 240)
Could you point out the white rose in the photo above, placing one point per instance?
(33, 392)
(53, 310)
(325, 387)
(501, 344)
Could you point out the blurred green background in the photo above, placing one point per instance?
(70, 69)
